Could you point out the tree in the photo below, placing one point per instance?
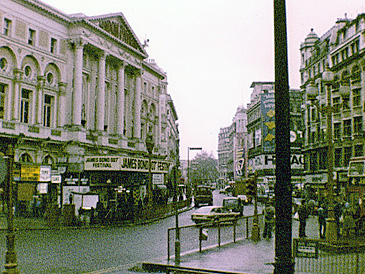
(204, 169)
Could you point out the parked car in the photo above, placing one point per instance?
(203, 195)
(226, 190)
(233, 204)
(213, 213)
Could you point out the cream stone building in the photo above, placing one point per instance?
(78, 97)
(342, 49)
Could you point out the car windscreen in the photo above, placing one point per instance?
(228, 202)
(203, 191)
(203, 210)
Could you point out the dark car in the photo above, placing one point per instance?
(203, 195)
(233, 204)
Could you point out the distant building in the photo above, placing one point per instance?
(78, 97)
(261, 135)
(231, 148)
(342, 48)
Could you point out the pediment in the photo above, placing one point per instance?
(117, 26)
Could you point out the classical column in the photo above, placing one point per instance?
(39, 101)
(77, 91)
(120, 100)
(100, 96)
(61, 104)
(137, 106)
(13, 113)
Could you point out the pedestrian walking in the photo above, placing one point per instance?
(338, 213)
(322, 218)
(348, 220)
(269, 216)
(303, 215)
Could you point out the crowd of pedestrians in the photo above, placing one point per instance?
(348, 218)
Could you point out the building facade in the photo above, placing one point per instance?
(261, 135)
(342, 49)
(78, 98)
(232, 147)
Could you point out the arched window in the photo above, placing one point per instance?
(48, 160)
(25, 158)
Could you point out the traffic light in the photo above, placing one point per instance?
(251, 187)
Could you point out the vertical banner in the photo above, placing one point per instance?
(240, 161)
(268, 120)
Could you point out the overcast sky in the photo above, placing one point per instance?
(212, 50)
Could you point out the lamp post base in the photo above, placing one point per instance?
(255, 233)
(177, 251)
(331, 230)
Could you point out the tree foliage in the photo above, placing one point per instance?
(204, 169)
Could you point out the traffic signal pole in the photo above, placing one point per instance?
(255, 233)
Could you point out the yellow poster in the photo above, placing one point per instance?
(30, 173)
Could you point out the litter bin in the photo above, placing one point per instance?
(52, 215)
(69, 214)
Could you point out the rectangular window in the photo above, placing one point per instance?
(356, 97)
(53, 45)
(359, 150)
(358, 125)
(313, 161)
(323, 159)
(7, 27)
(145, 87)
(313, 114)
(2, 100)
(25, 106)
(337, 131)
(336, 103)
(338, 157)
(347, 128)
(31, 37)
(347, 155)
(47, 110)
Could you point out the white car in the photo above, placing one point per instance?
(213, 213)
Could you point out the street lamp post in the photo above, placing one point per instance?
(10, 257)
(149, 144)
(191, 148)
(177, 230)
(312, 92)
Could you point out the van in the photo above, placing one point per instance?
(203, 195)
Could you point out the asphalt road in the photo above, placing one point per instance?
(88, 250)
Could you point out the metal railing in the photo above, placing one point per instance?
(317, 256)
(198, 237)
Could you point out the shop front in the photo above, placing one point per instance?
(122, 184)
(34, 190)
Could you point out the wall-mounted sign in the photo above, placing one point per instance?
(56, 179)
(121, 163)
(35, 173)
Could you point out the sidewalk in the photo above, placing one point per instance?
(245, 256)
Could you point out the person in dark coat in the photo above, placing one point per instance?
(303, 216)
(269, 215)
(322, 218)
(338, 213)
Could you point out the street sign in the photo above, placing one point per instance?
(306, 248)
